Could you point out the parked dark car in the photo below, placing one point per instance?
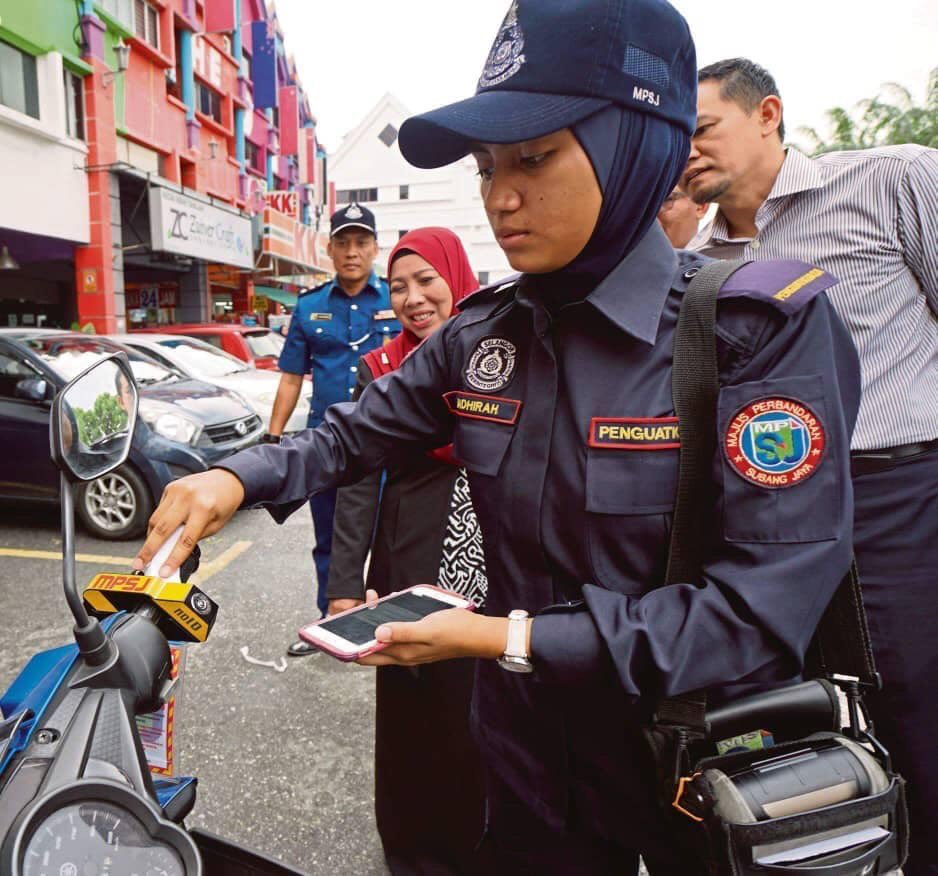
(184, 426)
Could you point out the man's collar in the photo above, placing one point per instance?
(798, 173)
(372, 284)
(633, 294)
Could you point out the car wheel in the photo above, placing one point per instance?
(115, 506)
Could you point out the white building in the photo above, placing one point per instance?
(368, 168)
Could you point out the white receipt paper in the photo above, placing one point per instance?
(160, 557)
(825, 846)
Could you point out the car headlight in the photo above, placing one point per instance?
(168, 423)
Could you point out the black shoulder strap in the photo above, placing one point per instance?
(842, 642)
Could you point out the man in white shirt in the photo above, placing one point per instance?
(871, 219)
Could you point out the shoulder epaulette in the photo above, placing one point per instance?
(488, 293)
(787, 284)
(314, 289)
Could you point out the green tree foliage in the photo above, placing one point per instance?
(890, 118)
(106, 417)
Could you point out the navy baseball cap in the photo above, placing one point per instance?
(352, 216)
(555, 62)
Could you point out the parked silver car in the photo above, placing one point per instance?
(200, 360)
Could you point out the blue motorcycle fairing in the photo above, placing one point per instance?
(34, 689)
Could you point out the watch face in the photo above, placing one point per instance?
(515, 664)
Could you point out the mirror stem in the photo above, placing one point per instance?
(92, 643)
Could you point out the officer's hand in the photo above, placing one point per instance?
(443, 635)
(203, 503)
(337, 605)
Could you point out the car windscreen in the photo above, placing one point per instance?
(263, 343)
(201, 359)
(69, 356)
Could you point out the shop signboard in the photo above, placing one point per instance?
(183, 225)
(284, 202)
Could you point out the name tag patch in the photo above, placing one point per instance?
(384, 314)
(320, 317)
(483, 407)
(775, 442)
(634, 433)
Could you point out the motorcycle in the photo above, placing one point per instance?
(76, 791)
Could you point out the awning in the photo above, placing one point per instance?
(281, 296)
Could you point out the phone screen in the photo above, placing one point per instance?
(359, 626)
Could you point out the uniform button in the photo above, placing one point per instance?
(755, 244)
(351, 389)
(354, 369)
(354, 348)
(319, 331)
(690, 273)
(354, 307)
(387, 329)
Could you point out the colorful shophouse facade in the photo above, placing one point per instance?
(179, 160)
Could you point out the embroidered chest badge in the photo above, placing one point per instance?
(492, 365)
(775, 442)
(635, 433)
(507, 55)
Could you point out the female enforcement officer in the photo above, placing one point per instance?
(556, 393)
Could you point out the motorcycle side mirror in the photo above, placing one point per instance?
(93, 420)
(90, 434)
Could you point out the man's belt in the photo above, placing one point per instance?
(870, 461)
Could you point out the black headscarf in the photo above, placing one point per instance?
(638, 160)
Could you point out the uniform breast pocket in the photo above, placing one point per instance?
(781, 446)
(481, 446)
(386, 328)
(629, 497)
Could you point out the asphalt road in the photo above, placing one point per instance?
(284, 759)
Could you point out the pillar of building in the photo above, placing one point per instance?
(194, 295)
(99, 287)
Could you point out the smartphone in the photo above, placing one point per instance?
(350, 634)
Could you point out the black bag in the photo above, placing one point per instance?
(822, 798)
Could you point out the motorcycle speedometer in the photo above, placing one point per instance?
(98, 827)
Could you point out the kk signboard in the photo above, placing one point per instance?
(183, 225)
(287, 203)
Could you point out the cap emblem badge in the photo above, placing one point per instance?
(491, 365)
(353, 212)
(507, 55)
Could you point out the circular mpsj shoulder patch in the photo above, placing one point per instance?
(775, 442)
(491, 365)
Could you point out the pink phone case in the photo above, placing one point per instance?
(350, 658)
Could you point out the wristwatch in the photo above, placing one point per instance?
(267, 438)
(515, 658)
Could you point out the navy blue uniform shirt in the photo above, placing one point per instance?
(566, 425)
(329, 332)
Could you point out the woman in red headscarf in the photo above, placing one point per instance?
(428, 782)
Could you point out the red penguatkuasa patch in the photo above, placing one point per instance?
(634, 433)
(775, 442)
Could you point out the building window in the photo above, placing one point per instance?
(388, 136)
(252, 156)
(358, 196)
(208, 101)
(405, 193)
(246, 67)
(484, 278)
(122, 10)
(402, 232)
(74, 107)
(174, 74)
(147, 23)
(19, 88)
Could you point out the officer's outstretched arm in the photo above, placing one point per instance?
(401, 411)
(780, 533)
